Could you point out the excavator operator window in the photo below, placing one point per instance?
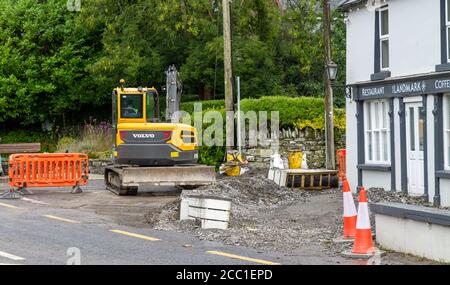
(131, 106)
(152, 107)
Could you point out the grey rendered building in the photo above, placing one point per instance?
(398, 110)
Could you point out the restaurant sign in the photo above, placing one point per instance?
(407, 88)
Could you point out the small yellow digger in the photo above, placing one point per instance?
(148, 152)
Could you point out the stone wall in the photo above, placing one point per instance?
(308, 140)
(97, 166)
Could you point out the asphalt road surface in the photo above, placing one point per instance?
(50, 228)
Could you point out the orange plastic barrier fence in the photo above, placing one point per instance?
(48, 170)
(342, 157)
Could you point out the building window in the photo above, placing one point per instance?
(447, 131)
(447, 23)
(384, 38)
(377, 132)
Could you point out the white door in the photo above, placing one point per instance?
(415, 126)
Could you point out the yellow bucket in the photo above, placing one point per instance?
(235, 171)
(237, 159)
(295, 159)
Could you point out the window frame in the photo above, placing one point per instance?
(384, 38)
(446, 130)
(377, 130)
(122, 108)
(447, 28)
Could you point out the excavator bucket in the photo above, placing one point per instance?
(126, 180)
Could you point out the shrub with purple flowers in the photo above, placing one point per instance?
(94, 140)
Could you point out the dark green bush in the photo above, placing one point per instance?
(211, 155)
(206, 105)
(300, 112)
(47, 139)
(292, 110)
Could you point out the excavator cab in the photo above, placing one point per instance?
(138, 105)
(140, 138)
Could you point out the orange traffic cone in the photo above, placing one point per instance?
(350, 215)
(363, 242)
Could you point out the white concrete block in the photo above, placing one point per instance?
(276, 176)
(209, 203)
(280, 177)
(213, 213)
(271, 174)
(207, 224)
(184, 210)
(209, 214)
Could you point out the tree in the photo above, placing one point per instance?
(44, 54)
(300, 49)
(142, 38)
(57, 64)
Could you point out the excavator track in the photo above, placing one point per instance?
(113, 182)
(125, 180)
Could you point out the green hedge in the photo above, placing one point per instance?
(206, 105)
(47, 139)
(298, 112)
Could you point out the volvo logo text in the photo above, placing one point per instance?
(144, 136)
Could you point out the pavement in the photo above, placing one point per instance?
(49, 228)
(54, 227)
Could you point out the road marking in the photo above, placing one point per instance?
(33, 201)
(8, 206)
(234, 256)
(11, 256)
(61, 219)
(135, 235)
(96, 177)
(8, 264)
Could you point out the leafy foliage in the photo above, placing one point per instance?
(44, 52)
(211, 155)
(298, 112)
(95, 140)
(47, 139)
(59, 67)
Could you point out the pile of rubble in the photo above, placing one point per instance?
(376, 195)
(263, 216)
(268, 217)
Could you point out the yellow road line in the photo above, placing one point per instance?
(61, 219)
(8, 206)
(234, 256)
(135, 235)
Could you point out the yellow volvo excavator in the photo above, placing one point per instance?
(147, 151)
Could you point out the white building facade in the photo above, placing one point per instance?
(398, 106)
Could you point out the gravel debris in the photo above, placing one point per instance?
(264, 215)
(377, 195)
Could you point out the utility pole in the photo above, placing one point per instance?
(329, 114)
(229, 102)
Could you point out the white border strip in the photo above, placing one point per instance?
(11, 256)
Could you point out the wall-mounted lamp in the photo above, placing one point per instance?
(332, 69)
